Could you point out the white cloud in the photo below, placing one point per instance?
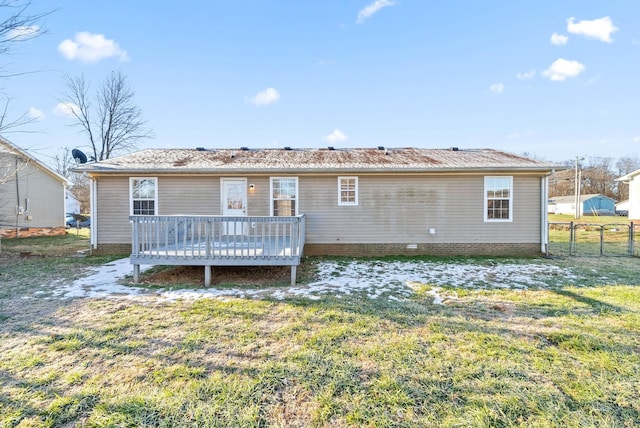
(35, 113)
(562, 69)
(497, 88)
(636, 139)
(23, 32)
(600, 28)
(559, 39)
(90, 48)
(265, 97)
(372, 8)
(337, 136)
(65, 109)
(526, 75)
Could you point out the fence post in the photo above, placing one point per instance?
(571, 239)
(602, 239)
(631, 238)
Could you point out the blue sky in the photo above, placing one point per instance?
(556, 79)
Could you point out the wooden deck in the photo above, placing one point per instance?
(217, 241)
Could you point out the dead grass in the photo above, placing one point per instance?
(568, 356)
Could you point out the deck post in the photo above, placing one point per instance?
(136, 273)
(207, 276)
(294, 268)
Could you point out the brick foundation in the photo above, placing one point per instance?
(376, 250)
(107, 249)
(27, 232)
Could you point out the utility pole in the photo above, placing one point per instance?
(577, 187)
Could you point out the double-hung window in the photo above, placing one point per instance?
(144, 195)
(347, 190)
(284, 196)
(498, 198)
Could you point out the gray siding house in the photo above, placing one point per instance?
(172, 204)
(32, 195)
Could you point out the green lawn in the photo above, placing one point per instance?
(566, 218)
(565, 357)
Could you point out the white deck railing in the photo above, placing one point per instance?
(217, 240)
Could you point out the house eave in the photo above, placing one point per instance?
(17, 151)
(288, 171)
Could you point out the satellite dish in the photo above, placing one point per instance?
(79, 156)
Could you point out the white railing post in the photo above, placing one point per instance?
(135, 244)
(218, 240)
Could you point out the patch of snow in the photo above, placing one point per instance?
(437, 299)
(375, 279)
(103, 282)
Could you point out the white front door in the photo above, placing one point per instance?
(234, 203)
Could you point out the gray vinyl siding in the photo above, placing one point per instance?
(112, 222)
(188, 196)
(391, 208)
(194, 195)
(45, 195)
(258, 201)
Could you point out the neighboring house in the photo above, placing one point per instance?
(633, 180)
(589, 205)
(622, 208)
(72, 205)
(32, 195)
(354, 201)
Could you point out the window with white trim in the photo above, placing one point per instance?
(498, 198)
(284, 195)
(347, 190)
(144, 195)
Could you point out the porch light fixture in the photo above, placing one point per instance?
(252, 187)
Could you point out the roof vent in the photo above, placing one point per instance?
(244, 148)
(454, 149)
(381, 148)
(287, 148)
(331, 148)
(200, 149)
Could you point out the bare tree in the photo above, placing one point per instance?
(114, 123)
(17, 25)
(63, 164)
(11, 161)
(624, 166)
(6, 121)
(598, 177)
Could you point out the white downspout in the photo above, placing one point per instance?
(544, 204)
(93, 211)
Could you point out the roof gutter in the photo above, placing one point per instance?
(223, 171)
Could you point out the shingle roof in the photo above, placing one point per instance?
(313, 160)
(8, 146)
(572, 198)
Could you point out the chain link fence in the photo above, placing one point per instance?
(590, 239)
